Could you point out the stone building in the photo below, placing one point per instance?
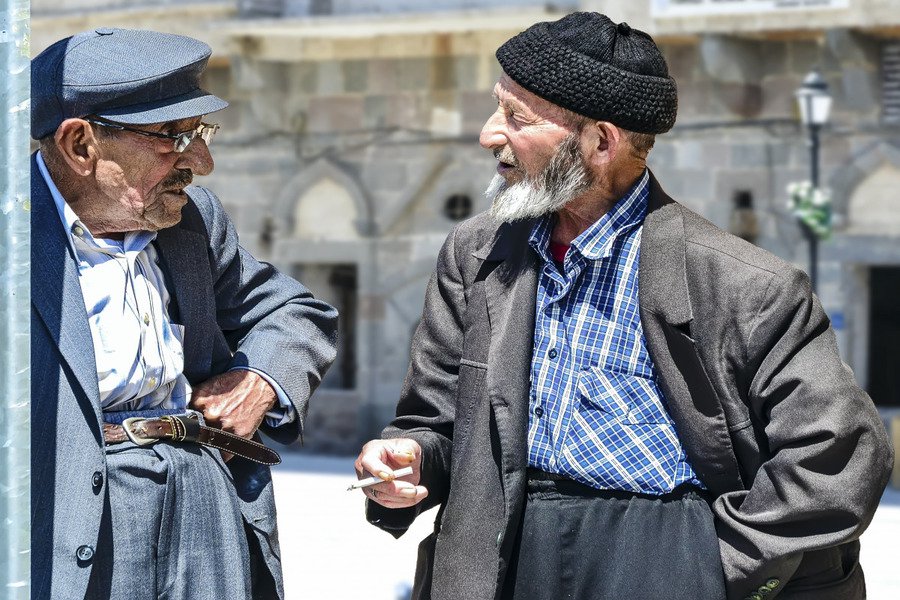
(350, 149)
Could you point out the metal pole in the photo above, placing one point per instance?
(811, 236)
(15, 302)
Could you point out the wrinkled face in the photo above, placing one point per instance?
(523, 133)
(143, 178)
(541, 167)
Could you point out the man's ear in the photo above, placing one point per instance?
(77, 146)
(602, 142)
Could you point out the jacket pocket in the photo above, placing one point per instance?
(470, 389)
(830, 573)
(850, 586)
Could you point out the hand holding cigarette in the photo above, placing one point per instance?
(396, 466)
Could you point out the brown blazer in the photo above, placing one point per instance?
(773, 422)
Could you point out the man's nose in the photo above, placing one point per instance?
(196, 157)
(493, 134)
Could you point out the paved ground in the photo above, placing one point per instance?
(331, 553)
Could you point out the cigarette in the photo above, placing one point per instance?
(373, 480)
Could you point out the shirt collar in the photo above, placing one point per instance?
(78, 235)
(596, 241)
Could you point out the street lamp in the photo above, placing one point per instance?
(814, 102)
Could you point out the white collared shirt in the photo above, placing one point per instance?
(138, 350)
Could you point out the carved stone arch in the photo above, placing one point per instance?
(324, 175)
(874, 207)
(877, 160)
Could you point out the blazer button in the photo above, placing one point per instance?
(84, 553)
(97, 480)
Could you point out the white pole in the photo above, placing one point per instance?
(15, 301)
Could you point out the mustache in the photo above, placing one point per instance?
(506, 155)
(178, 179)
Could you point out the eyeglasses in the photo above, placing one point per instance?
(206, 132)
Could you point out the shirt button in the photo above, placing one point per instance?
(553, 353)
(78, 231)
(84, 553)
(146, 319)
(539, 412)
(97, 480)
(153, 382)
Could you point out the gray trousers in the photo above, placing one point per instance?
(576, 543)
(172, 528)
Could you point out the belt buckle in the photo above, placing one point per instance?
(126, 425)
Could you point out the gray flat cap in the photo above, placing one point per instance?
(126, 75)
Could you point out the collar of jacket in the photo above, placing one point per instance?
(662, 282)
(55, 292)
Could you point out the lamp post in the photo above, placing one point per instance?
(814, 102)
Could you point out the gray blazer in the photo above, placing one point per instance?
(772, 421)
(236, 312)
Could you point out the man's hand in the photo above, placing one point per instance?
(236, 401)
(381, 457)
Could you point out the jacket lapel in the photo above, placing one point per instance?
(511, 288)
(666, 317)
(180, 252)
(55, 290)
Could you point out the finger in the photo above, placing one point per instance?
(409, 497)
(404, 451)
(396, 491)
(397, 488)
(371, 462)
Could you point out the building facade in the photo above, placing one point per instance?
(350, 150)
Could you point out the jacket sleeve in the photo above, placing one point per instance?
(427, 406)
(828, 455)
(271, 322)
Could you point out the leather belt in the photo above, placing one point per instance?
(183, 428)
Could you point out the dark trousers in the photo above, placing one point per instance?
(584, 544)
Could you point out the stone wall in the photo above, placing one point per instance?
(365, 128)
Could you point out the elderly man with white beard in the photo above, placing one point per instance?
(609, 397)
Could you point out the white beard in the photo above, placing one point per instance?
(561, 181)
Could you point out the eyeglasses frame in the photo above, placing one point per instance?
(181, 141)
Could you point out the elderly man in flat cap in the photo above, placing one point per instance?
(159, 345)
(608, 396)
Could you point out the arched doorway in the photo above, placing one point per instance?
(869, 244)
(323, 238)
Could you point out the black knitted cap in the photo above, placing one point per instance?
(586, 63)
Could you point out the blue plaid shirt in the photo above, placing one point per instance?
(597, 414)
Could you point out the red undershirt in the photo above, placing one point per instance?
(558, 251)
